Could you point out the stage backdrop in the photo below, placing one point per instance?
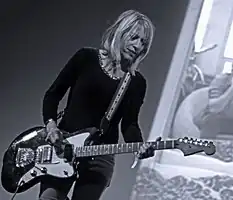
(190, 106)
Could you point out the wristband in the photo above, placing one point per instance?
(48, 121)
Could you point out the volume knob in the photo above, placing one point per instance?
(44, 170)
(33, 173)
(66, 172)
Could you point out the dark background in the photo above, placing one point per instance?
(38, 37)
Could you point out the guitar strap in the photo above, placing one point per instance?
(116, 100)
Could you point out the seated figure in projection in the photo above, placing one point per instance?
(93, 75)
(207, 112)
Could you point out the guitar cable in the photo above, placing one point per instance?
(20, 183)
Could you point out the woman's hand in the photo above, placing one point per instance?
(146, 150)
(54, 135)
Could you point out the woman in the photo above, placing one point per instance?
(92, 75)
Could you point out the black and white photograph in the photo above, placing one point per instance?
(81, 82)
(109, 100)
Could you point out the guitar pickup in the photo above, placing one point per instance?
(68, 152)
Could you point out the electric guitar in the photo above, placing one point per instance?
(29, 157)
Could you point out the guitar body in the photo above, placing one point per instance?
(29, 159)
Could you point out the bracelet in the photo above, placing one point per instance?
(48, 121)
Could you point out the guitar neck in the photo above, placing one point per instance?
(110, 149)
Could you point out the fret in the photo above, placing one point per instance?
(93, 150)
(138, 146)
(90, 151)
(109, 146)
(132, 147)
(170, 144)
(129, 148)
(116, 148)
(96, 150)
(119, 148)
(106, 149)
(81, 151)
(85, 151)
(93, 153)
(78, 150)
(157, 145)
(113, 148)
(101, 149)
(110, 149)
(160, 145)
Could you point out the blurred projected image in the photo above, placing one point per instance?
(203, 109)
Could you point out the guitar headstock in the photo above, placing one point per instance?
(190, 146)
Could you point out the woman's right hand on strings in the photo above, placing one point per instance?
(54, 135)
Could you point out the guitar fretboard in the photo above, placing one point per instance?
(108, 149)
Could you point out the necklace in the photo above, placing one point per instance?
(105, 71)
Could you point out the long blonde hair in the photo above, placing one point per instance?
(125, 23)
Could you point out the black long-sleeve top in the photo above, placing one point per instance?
(91, 91)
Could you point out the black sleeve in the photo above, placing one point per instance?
(65, 79)
(129, 124)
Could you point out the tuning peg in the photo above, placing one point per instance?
(211, 143)
(206, 143)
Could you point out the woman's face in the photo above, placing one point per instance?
(133, 43)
